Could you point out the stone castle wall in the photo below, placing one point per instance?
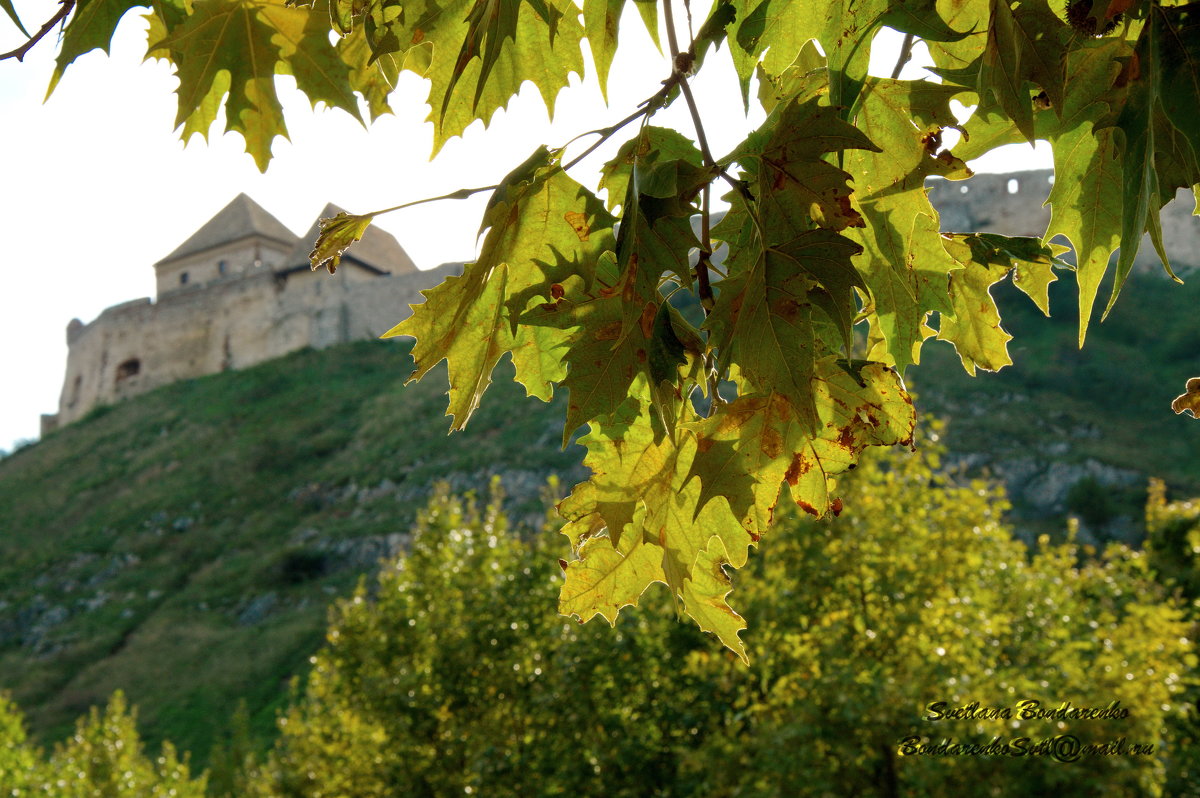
(213, 321)
(226, 324)
(1011, 204)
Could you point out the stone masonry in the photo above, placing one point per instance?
(239, 291)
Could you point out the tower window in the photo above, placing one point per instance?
(129, 368)
(222, 267)
(183, 278)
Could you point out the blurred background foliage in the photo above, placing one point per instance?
(450, 673)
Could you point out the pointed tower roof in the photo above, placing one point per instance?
(240, 219)
(378, 251)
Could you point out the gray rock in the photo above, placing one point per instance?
(257, 609)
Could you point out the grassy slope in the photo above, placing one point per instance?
(1109, 402)
(170, 514)
(241, 487)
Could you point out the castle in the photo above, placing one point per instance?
(239, 291)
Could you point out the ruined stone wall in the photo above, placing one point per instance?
(217, 322)
(1011, 204)
(230, 323)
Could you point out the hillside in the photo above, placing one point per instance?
(183, 546)
(1075, 430)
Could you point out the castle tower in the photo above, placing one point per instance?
(243, 237)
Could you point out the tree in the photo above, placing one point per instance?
(834, 271)
(103, 759)
(452, 673)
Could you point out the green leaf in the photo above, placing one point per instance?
(1157, 126)
(669, 165)
(974, 326)
(872, 410)
(704, 598)
(493, 77)
(903, 263)
(743, 452)
(238, 41)
(373, 78)
(337, 234)
(641, 494)
(1024, 45)
(12, 14)
(543, 230)
(1031, 260)
(307, 55)
(760, 321)
(91, 27)
(1086, 199)
(605, 579)
(747, 449)
(796, 188)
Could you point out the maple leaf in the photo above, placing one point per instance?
(796, 188)
(974, 326)
(604, 356)
(844, 28)
(601, 20)
(1162, 74)
(92, 26)
(1086, 202)
(640, 495)
(495, 74)
(234, 46)
(337, 234)
(604, 578)
(1025, 45)
(762, 316)
(747, 449)
(532, 244)
(870, 408)
(903, 262)
(704, 598)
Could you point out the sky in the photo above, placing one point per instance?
(95, 185)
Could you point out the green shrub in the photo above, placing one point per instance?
(453, 675)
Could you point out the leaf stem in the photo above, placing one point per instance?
(24, 49)
(461, 193)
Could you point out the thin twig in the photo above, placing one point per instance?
(462, 193)
(905, 55)
(58, 17)
(607, 132)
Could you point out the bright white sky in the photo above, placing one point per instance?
(95, 186)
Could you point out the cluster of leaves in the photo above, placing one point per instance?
(103, 758)
(1173, 549)
(834, 270)
(452, 674)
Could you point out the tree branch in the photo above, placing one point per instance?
(24, 49)
(905, 55)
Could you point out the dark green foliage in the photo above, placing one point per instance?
(453, 675)
(1092, 502)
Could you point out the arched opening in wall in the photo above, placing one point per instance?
(183, 278)
(1013, 185)
(129, 368)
